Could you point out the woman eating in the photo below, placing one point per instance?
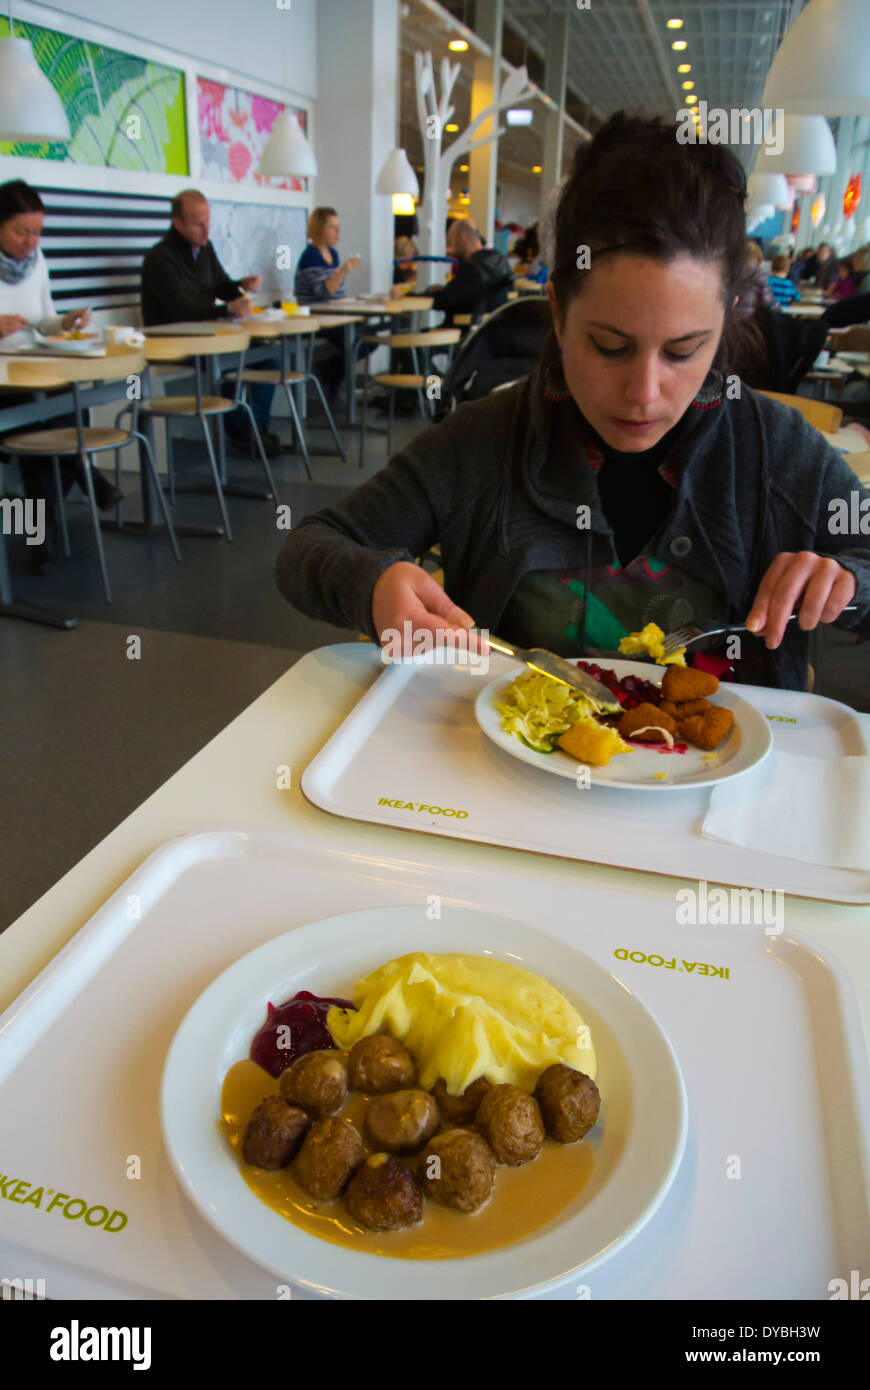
(25, 304)
(631, 478)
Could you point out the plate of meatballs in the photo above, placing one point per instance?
(325, 1145)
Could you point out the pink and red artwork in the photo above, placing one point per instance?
(234, 126)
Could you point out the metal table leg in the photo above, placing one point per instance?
(29, 612)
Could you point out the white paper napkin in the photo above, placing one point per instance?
(814, 809)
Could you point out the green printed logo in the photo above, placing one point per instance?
(73, 1208)
(720, 972)
(421, 806)
(780, 719)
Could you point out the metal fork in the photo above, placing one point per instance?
(685, 636)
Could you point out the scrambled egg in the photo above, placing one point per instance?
(650, 641)
(592, 743)
(462, 1017)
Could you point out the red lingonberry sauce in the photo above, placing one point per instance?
(658, 747)
(630, 691)
(305, 1016)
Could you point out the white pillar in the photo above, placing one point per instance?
(486, 80)
(555, 83)
(355, 128)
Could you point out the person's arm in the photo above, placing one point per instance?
(178, 296)
(459, 295)
(817, 582)
(328, 567)
(50, 320)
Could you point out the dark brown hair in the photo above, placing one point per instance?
(17, 197)
(635, 189)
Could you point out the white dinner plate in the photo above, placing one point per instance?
(747, 745)
(638, 1141)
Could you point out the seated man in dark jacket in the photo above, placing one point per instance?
(182, 280)
(483, 275)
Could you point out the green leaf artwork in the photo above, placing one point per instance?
(124, 112)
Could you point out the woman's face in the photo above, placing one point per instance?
(19, 235)
(331, 230)
(637, 343)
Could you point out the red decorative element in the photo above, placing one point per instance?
(852, 196)
(713, 665)
(796, 216)
(239, 157)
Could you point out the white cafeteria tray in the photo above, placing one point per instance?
(772, 1055)
(414, 737)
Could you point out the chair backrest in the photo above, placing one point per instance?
(819, 413)
(175, 349)
(501, 350)
(791, 347)
(854, 340)
(435, 337)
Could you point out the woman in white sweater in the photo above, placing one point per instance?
(25, 304)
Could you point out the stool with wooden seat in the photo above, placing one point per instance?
(201, 407)
(819, 413)
(83, 441)
(405, 381)
(289, 379)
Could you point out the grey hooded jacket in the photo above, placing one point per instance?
(498, 484)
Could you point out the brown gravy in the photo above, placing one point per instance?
(523, 1199)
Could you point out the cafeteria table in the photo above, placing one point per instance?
(41, 373)
(412, 305)
(231, 785)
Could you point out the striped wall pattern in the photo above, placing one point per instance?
(94, 243)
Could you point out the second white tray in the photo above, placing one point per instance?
(413, 739)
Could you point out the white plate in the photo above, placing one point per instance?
(639, 1139)
(747, 745)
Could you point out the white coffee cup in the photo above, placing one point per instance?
(121, 333)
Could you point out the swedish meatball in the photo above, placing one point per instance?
(569, 1102)
(464, 1173)
(378, 1064)
(384, 1195)
(317, 1082)
(460, 1110)
(274, 1133)
(510, 1121)
(402, 1121)
(331, 1151)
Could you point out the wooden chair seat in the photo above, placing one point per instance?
(267, 375)
(63, 441)
(819, 413)
(399, 379)
(185, 405)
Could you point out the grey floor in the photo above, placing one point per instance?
(86, 734)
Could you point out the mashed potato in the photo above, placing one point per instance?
(462, 1017)
(650, 641)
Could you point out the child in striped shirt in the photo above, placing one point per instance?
(784, 290)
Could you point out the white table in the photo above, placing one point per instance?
(225, 786)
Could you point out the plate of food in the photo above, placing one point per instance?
(666, 728)
(382, 1106)
(69, 340)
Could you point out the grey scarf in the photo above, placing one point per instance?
(13, 271)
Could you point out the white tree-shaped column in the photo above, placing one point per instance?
(434, 113)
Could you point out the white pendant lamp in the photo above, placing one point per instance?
(765, 188)
(30, 108)
(287, 153)
(397, 176)
(822, 66)
(757, 214)
(807, 147)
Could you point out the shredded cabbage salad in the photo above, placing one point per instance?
(538, 710)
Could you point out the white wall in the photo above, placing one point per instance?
(516, 203)
(253, 37)
(356, 127)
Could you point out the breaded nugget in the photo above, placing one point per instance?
(709, 729)
(669, 707)
(648, 718)
(687, 709)
(685, 683)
